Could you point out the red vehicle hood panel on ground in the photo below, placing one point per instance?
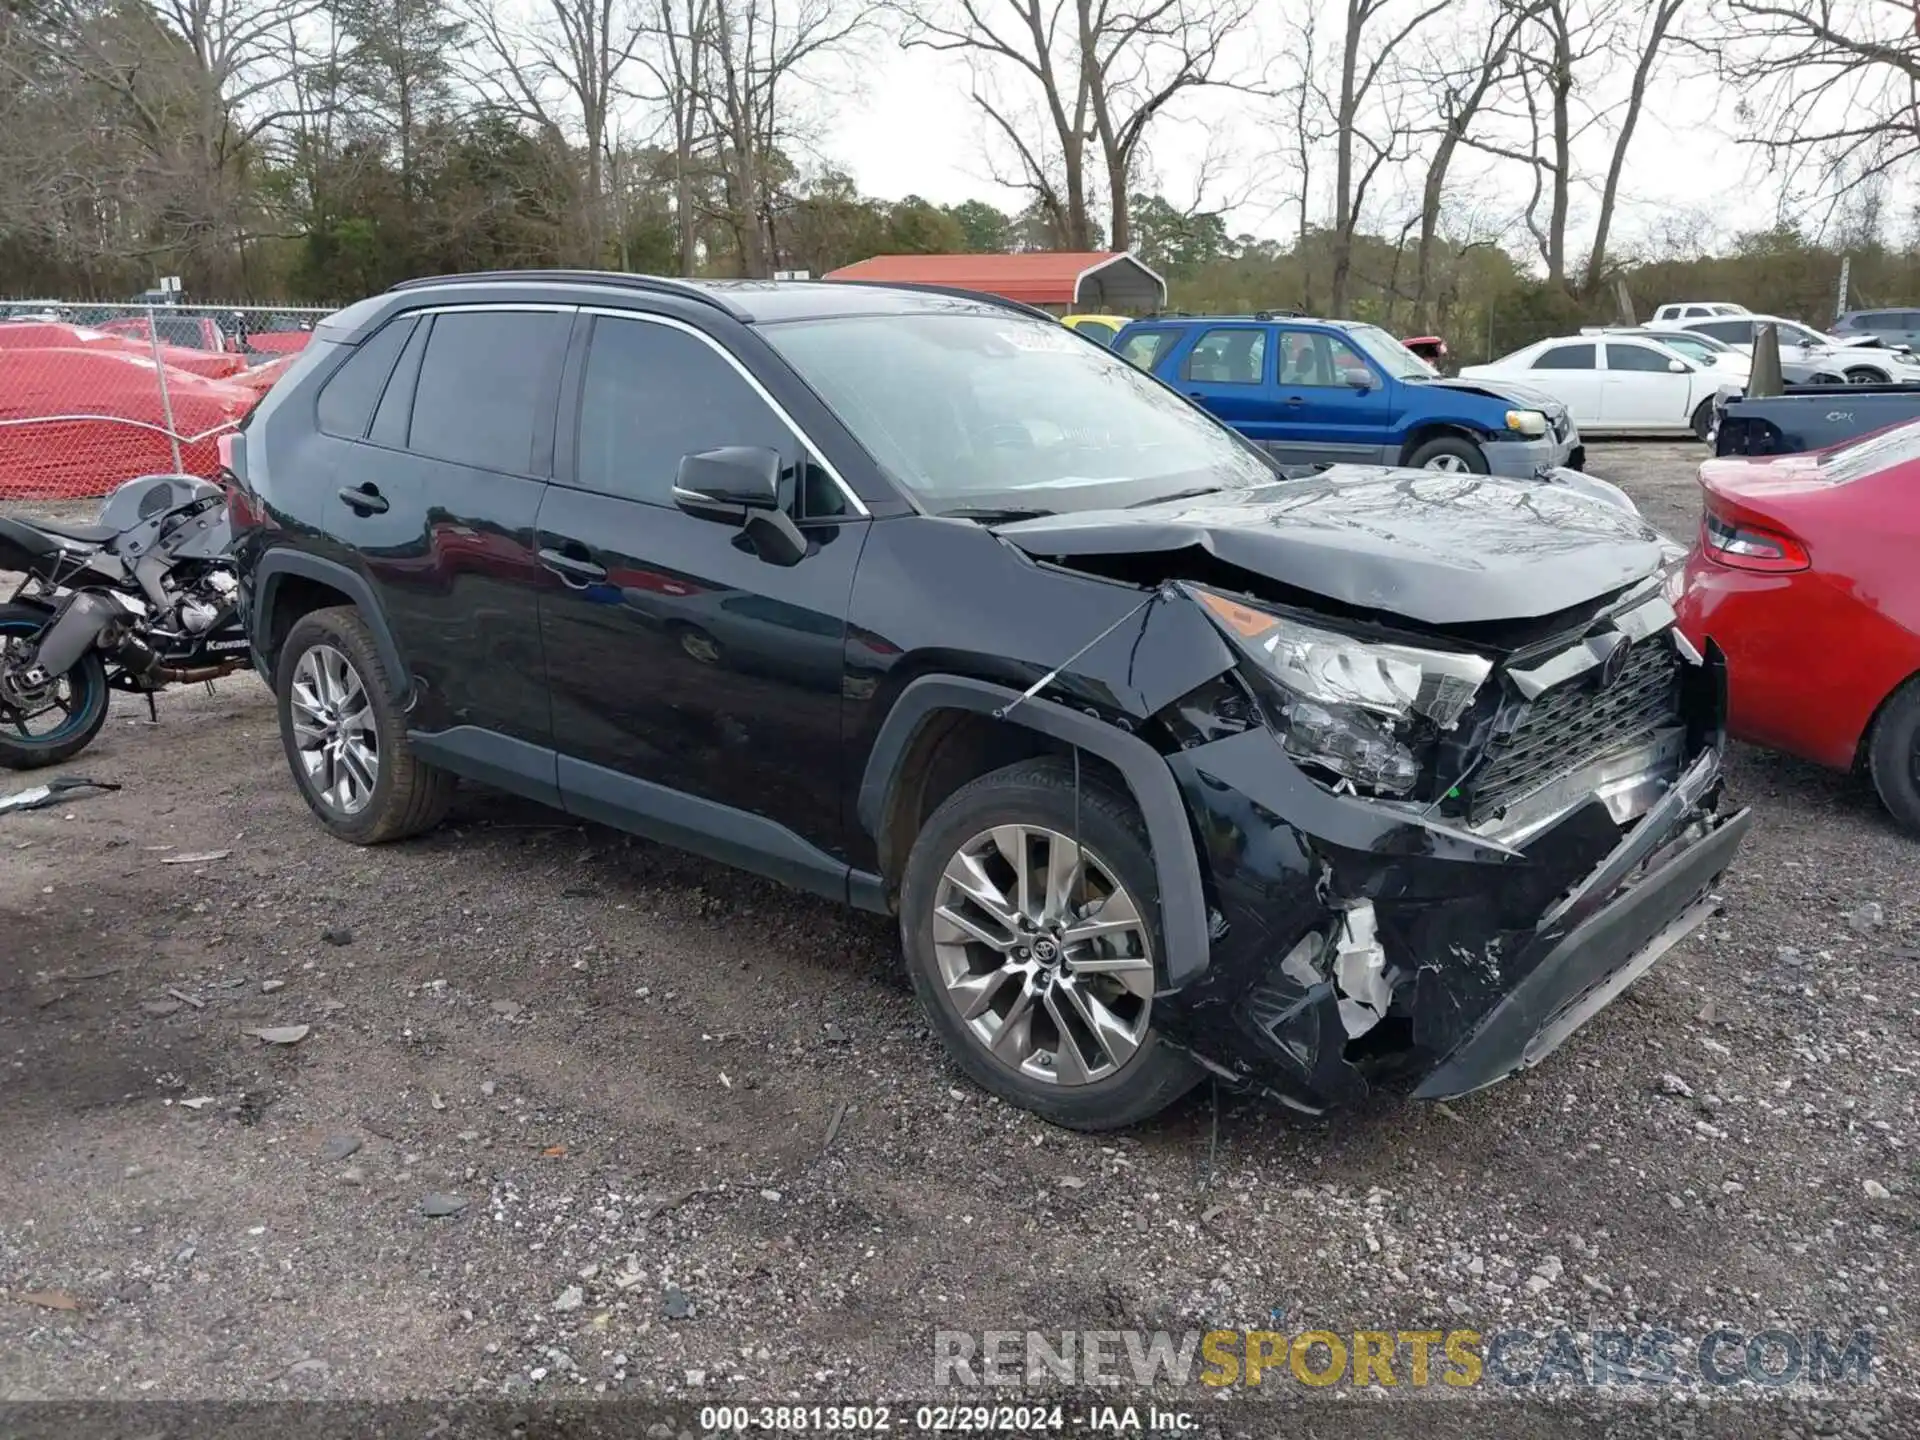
(1812, 653)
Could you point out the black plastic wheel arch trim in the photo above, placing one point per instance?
(1183, 903)
(266, 581)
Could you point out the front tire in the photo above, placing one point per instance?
(55, 721)
(1703, 422)
(1451, 454)
(1865, 375)
(346, 740)
(1036, 960)
(1893, 755)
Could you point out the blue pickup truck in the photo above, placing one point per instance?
(1319, 391)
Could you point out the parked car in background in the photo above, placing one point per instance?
(1097, 327)
(1890, 327)
(1170, 768)
(1679, 312)
(1810, 417)
(190, 332)
(1430, 348)
(1314, 391)
(1804, 574)
(1726, 361)
(1615, 384)
(1861, 360)
(77, 422)
(48, 335)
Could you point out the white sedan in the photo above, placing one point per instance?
(1860, 359)
(1615, 384)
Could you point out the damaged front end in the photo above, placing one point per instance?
(1433, 857)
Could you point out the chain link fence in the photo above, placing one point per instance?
(91, 394)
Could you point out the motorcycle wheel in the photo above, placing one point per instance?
(62, 720)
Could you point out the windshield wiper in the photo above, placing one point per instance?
(995, 514)
(1194, 494)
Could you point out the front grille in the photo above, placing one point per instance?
(1574, 724)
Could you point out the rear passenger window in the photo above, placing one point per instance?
(1733, 332)
(1566, 357)
(483, 381)
(1146, 348)
(347, 399)
(652, 394)
(1635, 357)
(1228, 357)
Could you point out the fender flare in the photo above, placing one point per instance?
(1183, 904)
(276, 564)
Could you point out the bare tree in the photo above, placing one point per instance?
(562, 65)
(1036, 41)
(680, 42)
(1099, 72)
(1375, 31)
(1462, 84)
(1827, 85)
(1140, 56)
(1656, 30)
(1560, 42)
(763, 52)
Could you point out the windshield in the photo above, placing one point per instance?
(1389, 354)
(973, 411)
(1875, 452)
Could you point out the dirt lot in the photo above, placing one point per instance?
(701, 1143)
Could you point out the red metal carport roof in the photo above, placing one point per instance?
(1086, 279)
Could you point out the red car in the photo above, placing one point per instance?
(53, 335)
(1806, 572)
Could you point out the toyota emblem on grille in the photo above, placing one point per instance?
(1614, 665)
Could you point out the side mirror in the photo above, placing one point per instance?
(1358, 379)
(741, 484)
(1678, 367)
(718, 484)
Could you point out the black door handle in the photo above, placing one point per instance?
(572, 569)
(1295, 400)
(366, 500)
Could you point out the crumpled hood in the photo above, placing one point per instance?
(1440, 549)
(1504, 390)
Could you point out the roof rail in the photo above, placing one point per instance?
(652, 284)
(927, 289)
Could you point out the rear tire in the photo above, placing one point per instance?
(87, 692)
(1451, 454)
(1102, 1083)
(366, 786)
(1893, 755)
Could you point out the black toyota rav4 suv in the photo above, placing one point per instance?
(1171, 763)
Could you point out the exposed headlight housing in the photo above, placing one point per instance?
(1526, 422)
(1350, 706)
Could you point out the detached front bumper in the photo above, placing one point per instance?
(1647, 896)
(1359, 945)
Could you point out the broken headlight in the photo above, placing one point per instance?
(1348, 706)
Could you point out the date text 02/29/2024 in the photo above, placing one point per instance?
(962, 1419)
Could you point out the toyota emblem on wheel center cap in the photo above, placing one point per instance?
(1045, 951)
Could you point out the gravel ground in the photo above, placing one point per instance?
(698, 1142)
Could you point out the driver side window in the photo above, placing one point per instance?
(652, 394)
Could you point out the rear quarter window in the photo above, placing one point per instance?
(1146, 348)
(345, 407)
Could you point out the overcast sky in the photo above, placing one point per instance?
(911, 129)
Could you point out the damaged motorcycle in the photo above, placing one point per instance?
(141, 599)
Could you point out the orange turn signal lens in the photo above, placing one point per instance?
(1242, 620)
